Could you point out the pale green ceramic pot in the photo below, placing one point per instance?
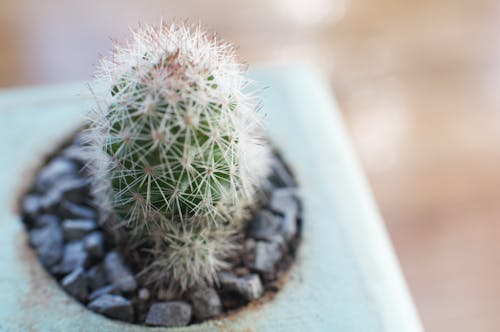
(346, 277)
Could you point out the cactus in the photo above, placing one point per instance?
(177, 150)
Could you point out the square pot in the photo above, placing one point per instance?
(346, 277)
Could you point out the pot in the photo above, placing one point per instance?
(346, 276)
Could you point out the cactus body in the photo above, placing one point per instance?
(177, 148)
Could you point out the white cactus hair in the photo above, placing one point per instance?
(177, 148)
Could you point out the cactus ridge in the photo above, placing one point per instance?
(177, 148)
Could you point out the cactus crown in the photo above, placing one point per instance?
(177, 148)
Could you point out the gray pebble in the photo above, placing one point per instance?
(94, 244)
(280, 175)
(75, 283)
(267, 254)
(289, 226)
(76, 190)
(206, 303)
(170, 314)
(56, 170)
(248, 286)
(48, 242)
(44, 220)
(109, 289)
(118, 273)
(51, 201)
(74, 256)
(265, 225)
(113, 306)
(96, 277)
(284, 200)
(77, 229)
(32, 206)
(71, 210)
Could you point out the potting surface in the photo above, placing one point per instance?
(346, 277)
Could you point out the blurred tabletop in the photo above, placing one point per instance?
(418, 83)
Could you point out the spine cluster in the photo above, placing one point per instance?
(177, 149)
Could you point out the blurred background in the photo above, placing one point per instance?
(417, 82)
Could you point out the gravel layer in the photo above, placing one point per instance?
(102, 274)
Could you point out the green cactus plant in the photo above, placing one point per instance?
(177, 148)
